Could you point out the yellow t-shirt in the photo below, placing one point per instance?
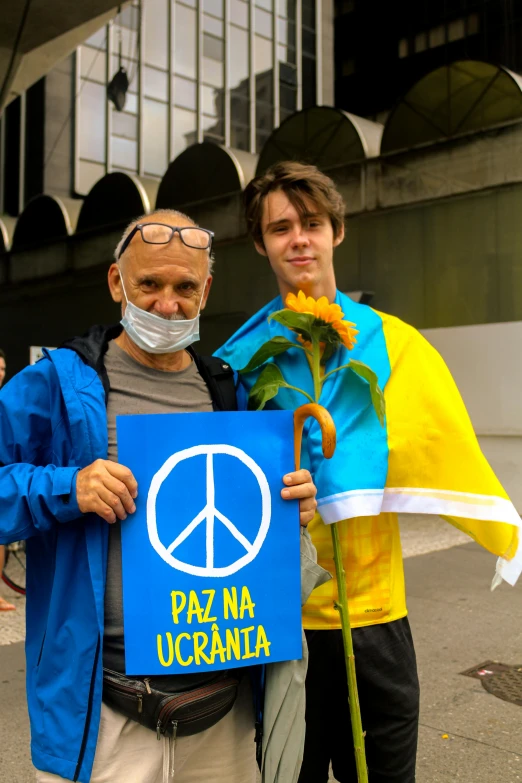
(372, 558)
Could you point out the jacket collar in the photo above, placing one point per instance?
(92, 347)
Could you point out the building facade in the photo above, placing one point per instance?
(226, 71)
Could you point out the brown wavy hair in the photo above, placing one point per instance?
(301, 183)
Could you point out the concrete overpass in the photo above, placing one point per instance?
(35, 35)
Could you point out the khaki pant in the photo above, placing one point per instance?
(129, 753)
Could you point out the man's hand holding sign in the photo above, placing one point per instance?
(109, 489)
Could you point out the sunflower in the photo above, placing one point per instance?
(326, 312)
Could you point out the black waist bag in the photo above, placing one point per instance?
(174, 714)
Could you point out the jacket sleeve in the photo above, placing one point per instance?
(34, 493)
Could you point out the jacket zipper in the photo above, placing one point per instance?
(88, 714)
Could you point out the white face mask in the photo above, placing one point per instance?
(154, 334)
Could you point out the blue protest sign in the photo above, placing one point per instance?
(211, 574)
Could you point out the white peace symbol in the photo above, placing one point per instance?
(209, 513)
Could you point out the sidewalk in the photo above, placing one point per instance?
(456, 621)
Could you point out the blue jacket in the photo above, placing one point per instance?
(53, 422)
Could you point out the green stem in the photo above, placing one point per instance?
(316, 367)
(349, 657)
(343, 367)
(295, 388)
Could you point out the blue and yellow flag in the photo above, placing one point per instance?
(425, 460)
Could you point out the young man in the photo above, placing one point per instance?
(424, 460)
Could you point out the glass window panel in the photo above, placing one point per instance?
(308, 11)
(308, 41)
(213, 130)
(211, 101)
(155, 137)
(92, 64)
(239, 12)
(403, 48)
(263, 22)
(288, 97)
(286, 8)
(156, 29)
(99, 39)
(93, 105)
(265, 87)
(282, 53)
(129, 17)
(288, 74)
(473, 24)
(213, 26)
(129, 42)
(124, 124)
(213, 48)
(88, 174)
(421, 42)
(213, 73)
(191, 3)
(124, 153)
(292, 38)
(185, 49)
(131, 103)
(239, 59)
(261, 137)
(263, 54)
(286, 35)
(155, 83)
(213, 57)
(240, 110)
(437, 36)
(266, 4)
(214, 7)
(309, 82)
(185, 130)
(240, 137)
(264, 116)
(456, 30)
(185, 93)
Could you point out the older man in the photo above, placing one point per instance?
(63, 489)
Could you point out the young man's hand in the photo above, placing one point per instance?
(299, 486)
(106, 488)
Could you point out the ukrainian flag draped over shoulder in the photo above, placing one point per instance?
(425, 460)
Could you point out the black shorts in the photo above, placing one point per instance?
(389, 696)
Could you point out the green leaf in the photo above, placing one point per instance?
(308, 326)
(361, 369)
(298, 322)
(273, 347)
(266, 387)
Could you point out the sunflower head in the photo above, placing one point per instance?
(326, 322)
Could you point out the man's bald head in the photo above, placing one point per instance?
(171, 217)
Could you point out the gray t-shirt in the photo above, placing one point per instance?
(135, 389)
